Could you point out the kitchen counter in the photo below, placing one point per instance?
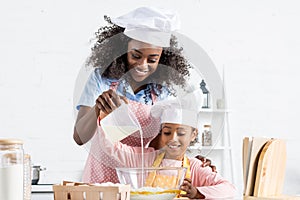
(49, 196)
(45, 192)
(42, 196)
(42, 192)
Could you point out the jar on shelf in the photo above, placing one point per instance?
(206, 136)
(11, 169)
(27, 177)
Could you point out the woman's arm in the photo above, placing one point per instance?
(86, 124)
(86, 121)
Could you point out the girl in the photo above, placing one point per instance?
(178, 130)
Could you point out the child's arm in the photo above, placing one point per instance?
(210, 184)
(191, 191)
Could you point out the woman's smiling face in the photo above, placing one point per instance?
(142, 59)
(175, 139)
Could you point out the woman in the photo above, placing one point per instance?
(141, 71)
(135, 57)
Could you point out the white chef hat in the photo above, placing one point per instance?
(149, 25)
(180, 110)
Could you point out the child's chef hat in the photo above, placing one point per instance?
(180, 110)
(149, 25)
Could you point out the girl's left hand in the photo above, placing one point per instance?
(191, 191)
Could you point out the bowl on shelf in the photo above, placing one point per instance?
(152, 182)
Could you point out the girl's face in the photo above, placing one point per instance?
(142, 59)
(175, 139)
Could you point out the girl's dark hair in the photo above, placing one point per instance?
(109, 54)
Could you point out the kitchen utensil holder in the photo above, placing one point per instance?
(91, 192)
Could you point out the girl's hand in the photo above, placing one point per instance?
(108, 101)
(191, 191)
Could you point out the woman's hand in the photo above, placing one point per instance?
(108, 101)
(191, 191)
(206, 162)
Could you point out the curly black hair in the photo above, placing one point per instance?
(109, 54)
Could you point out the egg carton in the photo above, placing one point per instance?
(82, 191)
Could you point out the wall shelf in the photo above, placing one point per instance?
(206, 148)
(220, 153)
(209, 110)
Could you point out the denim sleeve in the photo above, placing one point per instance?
(92, 89)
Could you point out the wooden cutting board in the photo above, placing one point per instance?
(251, 151)
(271, 169)
(245, 160)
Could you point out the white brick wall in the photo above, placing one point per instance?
(43, 45)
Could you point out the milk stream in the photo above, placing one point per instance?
(143, 161)
(120, 132)
(11, 182)
(122, 126)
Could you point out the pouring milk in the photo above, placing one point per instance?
(122, 123)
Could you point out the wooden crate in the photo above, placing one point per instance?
(91, 192)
